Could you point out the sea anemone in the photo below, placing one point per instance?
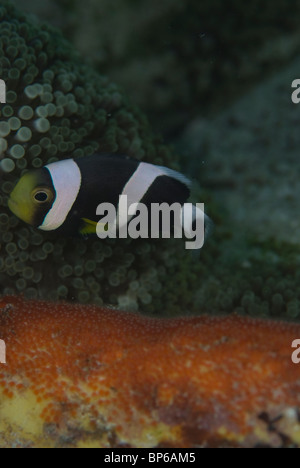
(57, 107)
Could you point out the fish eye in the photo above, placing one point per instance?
(41, 196)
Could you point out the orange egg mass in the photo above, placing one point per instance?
(82, 376)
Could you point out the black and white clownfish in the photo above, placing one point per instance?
(64, 196)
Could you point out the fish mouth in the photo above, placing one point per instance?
(13, 206)
(19, 209)
(12, 203)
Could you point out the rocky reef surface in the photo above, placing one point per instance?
(248, 156)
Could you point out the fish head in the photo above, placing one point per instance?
(32, 197)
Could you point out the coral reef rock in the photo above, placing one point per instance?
(249, 156)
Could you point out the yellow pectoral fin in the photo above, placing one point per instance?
(90, 227)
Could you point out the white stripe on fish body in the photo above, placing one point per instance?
(66, 178)
(137, 186)
(176, 175)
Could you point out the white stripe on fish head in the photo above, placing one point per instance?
(66, 179)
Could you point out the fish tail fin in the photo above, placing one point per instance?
(208, 226)
(196, 223)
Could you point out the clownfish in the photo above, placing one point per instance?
(64, 196)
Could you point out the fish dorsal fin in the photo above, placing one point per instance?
(177, 176)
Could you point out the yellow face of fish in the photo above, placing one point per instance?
(32, 198)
